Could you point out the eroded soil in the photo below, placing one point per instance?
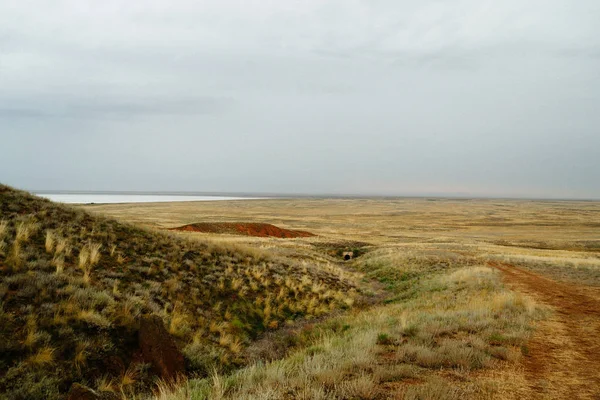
(244, 228)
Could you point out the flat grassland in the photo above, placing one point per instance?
(543, 235)
(474, 298)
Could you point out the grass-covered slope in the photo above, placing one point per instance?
(450, 331)
(73, 287)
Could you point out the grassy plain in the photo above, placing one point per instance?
(542, 235)
(446, 322)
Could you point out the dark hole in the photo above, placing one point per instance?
(347, 257)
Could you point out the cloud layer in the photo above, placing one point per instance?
(340, 96)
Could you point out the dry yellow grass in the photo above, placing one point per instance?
(536, 234)
(49, 242)
(387, 220)
(3, 228)
(432, 256)
(44, 355)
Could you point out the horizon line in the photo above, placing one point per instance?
(441, 195)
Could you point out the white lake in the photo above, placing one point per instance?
(113, 198)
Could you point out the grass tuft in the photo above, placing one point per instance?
(49, 242)
(45, 355)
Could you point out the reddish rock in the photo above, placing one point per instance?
(243, 228)
(159, 349)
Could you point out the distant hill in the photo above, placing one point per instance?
(76, 289)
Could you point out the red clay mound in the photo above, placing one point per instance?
(243, 228)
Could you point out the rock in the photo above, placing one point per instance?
(113, 365)
(159, 349)
(80, 392)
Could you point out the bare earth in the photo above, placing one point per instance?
(564, 355)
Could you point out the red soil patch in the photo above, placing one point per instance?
(243, 228)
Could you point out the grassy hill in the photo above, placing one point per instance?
(73, 288)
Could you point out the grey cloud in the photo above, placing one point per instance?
(387, 96)
(584, 52)
(100, 108)
(10, 112)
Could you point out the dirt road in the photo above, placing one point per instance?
(563, 358)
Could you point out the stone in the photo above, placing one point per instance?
(80, 392)
(159, 349)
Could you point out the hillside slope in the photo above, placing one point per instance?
(74, 286)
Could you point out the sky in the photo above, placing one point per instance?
(380, 97)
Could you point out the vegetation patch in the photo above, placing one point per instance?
(75, 286)
(448, 324)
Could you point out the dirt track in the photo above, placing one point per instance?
(563, 360)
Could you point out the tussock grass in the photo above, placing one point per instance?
(3, 228)
(43, 356)
(62, 247)
(105, 384)
(94, 253)
(15, 257)
(449, 319)
(81, 355)
(83, 257)
(59, 262)
(50, 242)
(25, 229)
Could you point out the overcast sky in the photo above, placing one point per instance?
(498, 98)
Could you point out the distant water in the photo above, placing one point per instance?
(113, 198)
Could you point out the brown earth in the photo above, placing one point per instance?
(243, 228)
(563, 358)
